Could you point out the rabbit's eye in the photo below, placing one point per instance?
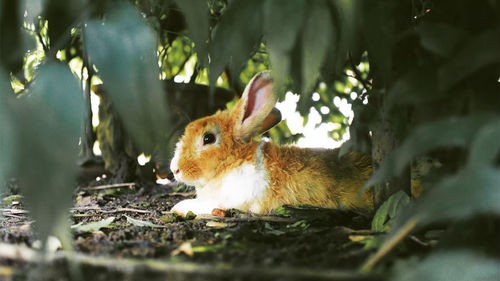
(208, 138)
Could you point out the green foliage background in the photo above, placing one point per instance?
(427, 69)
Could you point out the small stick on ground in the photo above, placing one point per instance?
(14, 211)
(127, 210)
(389, 245)
(183, 194)
(99, 210)
(115, 185)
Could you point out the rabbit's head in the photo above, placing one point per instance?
(214, 144)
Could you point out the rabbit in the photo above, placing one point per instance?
(220, 156)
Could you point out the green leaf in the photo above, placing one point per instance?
(347, 11)
(124, 50)
(7, 136)
(441, 39)
(53, 89)
(9, 199)
(388, 210)
(471, 192)
(379, 35)
(48, 123)
(11, 51)
(143, 223)
(317, 37)
(93, 226)
(486, 145)
(478, 52)
(474, 192)
(196, 13)
(457, 265)
(61, 15)
(417, 86)
(237, 34)
(380, 217)
(347, 17)
(451, 132)
(282, 23)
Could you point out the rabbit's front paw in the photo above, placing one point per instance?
(196, 206)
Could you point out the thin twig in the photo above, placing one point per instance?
(99, 210)
(249, 218)
(359, 77)
(183, 194)
(14, 216)
(127, 210)
(83, 209)
(15, 211)
(389, 245)
(42, 42)
(418, 241)
(115, 185)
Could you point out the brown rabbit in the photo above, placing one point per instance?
(219, 156)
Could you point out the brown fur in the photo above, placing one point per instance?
(317, 177)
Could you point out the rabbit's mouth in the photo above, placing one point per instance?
(178, 177)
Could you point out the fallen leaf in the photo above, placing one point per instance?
(357, 238)
(269, 230)
(216, 224)
(93, 226)
(186, 248)
(142, 223)
(190, 216)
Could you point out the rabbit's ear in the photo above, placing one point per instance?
(254, 112)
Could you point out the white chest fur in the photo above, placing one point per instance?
(244, 188)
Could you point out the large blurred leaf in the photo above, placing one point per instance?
(48, 127)
(196, 13)
(478, 52)
(451, 132)
(474, 190)
(11, 54)
(486, 146)
(61, 16)
(7, 139)
(452, 265)
(417, 86)
(469, 193)
(441, 39)
(347, 19)
(282, 23)
(379, 32)
(318, 36)
(124, 50)
(236, 35)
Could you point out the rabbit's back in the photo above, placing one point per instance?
(317, 177)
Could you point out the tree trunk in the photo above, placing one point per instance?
(88, 137)
(384, 142)
(118, 152)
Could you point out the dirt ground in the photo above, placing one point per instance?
(139, 239)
